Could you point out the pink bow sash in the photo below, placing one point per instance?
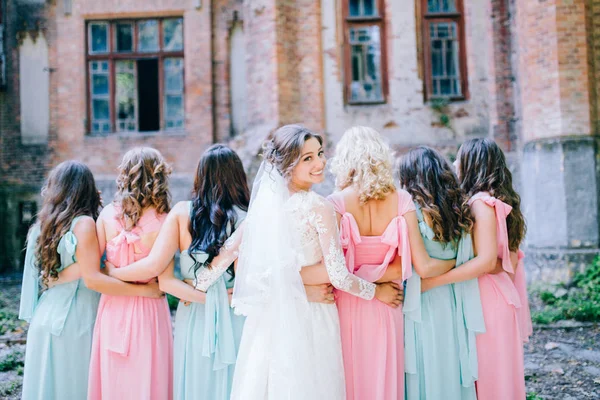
(502, 211)
(121, 249)
(524, 312)
(514, 293)
(395, 236)
(116, 336)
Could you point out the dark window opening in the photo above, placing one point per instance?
(149, 105)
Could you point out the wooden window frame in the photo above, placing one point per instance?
(361, 21)
(459, 19)
(113, 55)
(2, 48)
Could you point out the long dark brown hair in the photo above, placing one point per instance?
(219, 186)
(427, 176)
(69, 192)
(285, 149)
(482, 168)
(143, 182)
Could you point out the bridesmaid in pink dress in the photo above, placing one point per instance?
(375, 220)
(498, 231)
(133, 345)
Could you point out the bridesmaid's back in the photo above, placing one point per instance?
(374, 216)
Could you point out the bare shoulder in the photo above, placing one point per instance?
(349, 194)
(181, 209)
(107, 212)
(85, 227)
(482, 210)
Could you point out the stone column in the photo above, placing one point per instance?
(560, 160)
(284, 70)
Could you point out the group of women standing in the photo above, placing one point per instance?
(373, 293)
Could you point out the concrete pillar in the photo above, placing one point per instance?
(560, 160)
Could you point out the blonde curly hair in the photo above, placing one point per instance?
(363, 160)
(143, 182)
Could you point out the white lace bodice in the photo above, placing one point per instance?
(316, 227)
(315, 224)
(307, 224)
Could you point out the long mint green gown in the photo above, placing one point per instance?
(61, 324)
(440, 346)
(207, 338)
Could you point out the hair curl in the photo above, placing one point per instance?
(219, 186)
(363, 160)
(427, 176)
(285, 149)
(143, 182)
(482, 168)
(69, 192)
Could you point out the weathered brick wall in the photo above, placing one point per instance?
(406, 119)
(22, 167)
(502, 105)
(299, 63)
(19, 164)
(553, 68)
(260, 28)
(224, 13)
(68, 87)
(593, 38)
(573, 66)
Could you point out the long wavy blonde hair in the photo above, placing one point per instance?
(364, 161)
(143, 182)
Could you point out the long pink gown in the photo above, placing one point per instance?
(132, 349)
(372, 332)
(507, 320)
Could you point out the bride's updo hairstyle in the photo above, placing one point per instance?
(363, 160)
(285, 149)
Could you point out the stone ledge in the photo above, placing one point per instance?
(556, 265)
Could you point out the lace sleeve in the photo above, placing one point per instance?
(205, 277)
(324, 221)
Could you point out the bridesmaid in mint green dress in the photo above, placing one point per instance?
(62, 318)
(440, 347)
(207, 332)
(207, 336)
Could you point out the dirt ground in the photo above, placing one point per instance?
(562, 361)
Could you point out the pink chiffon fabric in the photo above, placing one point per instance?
(507, 319)
(372, 332)
(132, 349)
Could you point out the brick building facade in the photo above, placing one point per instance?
(90, 79)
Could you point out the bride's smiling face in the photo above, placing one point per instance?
(311, 167)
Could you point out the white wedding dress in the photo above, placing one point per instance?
(290, 349)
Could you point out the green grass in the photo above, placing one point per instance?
(11, 361)
(9, 388)
(581, 303)
(533, 396)
(9, 321)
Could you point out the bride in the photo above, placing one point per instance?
(290, 348)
